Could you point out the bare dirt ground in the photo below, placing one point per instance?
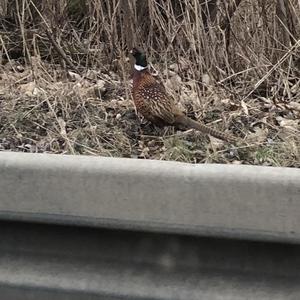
(45, 109)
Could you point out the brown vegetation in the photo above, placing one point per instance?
(235, 65)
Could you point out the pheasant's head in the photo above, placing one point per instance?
(140, 59)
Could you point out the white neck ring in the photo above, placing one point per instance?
(139, 68)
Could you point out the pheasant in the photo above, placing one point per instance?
(152, 101)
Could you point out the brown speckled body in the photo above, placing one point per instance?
(152, 101)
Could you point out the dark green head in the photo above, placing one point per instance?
(140, 58)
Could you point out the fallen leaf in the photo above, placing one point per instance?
(174, 83)
(225, 101)
(174, 67)
(216, 143)
(28, 88)
(283, 122)
(206, 79)
(37, 91)
(244, 107)
(259, 135)
(294, 105)
(74, 76)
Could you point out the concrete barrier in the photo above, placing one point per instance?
(260, 203)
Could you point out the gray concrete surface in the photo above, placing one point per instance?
(39, 261)
(216, 200)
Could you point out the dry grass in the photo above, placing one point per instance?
(65, 87)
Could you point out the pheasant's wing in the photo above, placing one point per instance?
(157, 103)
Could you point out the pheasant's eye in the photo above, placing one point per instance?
(135, 52)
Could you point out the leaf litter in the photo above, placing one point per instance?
(47, 110)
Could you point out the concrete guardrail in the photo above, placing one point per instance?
(251, 202)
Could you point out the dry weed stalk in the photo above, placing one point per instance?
(233, 62)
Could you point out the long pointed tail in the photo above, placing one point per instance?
(189, 123)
